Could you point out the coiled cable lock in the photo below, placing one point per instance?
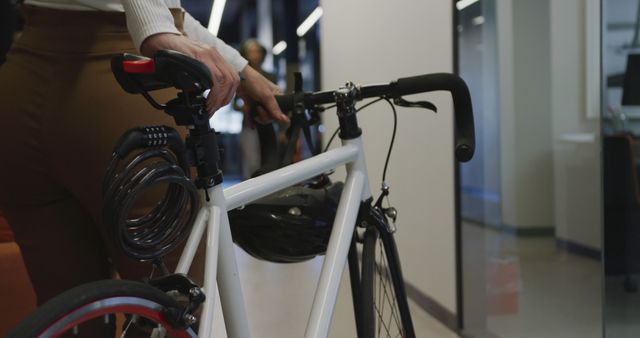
(161, 164)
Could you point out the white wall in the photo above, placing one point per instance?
(576, 163)
(547, 177)
(525, 114)
(377, 41)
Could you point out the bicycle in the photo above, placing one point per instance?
(360, 234)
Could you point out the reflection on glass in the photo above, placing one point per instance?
(621, 127)
(531, 199)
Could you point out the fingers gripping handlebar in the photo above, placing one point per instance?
(464, 126)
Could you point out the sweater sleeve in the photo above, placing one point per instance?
(196, 31)
(149, 17)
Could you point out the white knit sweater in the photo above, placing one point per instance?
(149, 17)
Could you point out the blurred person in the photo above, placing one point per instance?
(252, 136)
(255, 53)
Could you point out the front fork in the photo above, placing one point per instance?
(373, 214)
(364, 220)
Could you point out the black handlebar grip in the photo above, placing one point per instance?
(464, 126)
(463, 110)
(285, 102)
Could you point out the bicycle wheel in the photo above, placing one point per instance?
(384, 307)
(92, 310)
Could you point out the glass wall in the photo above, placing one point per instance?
(621, 127)
(531, 199)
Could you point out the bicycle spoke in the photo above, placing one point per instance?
(386, 314)
(392, 299)
(126, 328)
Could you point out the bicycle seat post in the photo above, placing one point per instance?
(139, 75)
(189, 110)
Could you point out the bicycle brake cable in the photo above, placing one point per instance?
(335, 133)
(393, 139)
(390, 211)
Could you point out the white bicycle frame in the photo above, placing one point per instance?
(220, 262)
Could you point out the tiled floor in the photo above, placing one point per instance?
(622, 314)
(279, 297)
(559, 294)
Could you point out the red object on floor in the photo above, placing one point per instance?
(503, 286)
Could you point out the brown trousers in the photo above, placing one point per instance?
(61, 113)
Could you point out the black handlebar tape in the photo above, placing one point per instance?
(464, 126)
(287, 101)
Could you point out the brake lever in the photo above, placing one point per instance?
(314, 114)
(301, 123)
(399, 101)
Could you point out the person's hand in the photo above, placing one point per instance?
(258, 92)
(225, 78)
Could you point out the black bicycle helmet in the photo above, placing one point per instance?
(289, 226)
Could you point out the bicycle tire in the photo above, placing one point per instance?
(384, 306)
(68, 311)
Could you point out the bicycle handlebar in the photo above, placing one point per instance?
(137, 74)
(464, 126)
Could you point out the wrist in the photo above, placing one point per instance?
(248, 72)
(159, 41)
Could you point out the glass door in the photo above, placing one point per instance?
(531, 199)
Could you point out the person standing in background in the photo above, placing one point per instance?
(255, 54)
(255, 137)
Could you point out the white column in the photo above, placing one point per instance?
(265, 31)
